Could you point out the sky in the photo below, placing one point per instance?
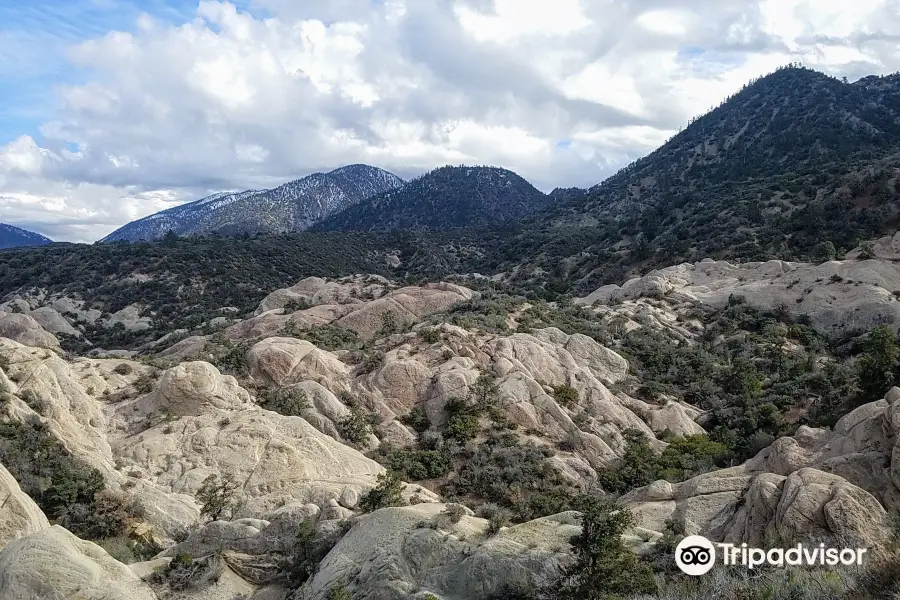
(111, 110)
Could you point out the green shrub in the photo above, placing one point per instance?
(388, 491)
(288, 402)
(415, 465)
(338, 592)
(123, 369)
(216, 496)
(604, 568)
(455, 512)
(357, 426)
(416, 418)
(566, 395)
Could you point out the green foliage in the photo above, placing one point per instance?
(338, 592)
(878, 368)
(328, 337)
(515, 476)
(604, 568)
(388, 491)
(566, 395)
(123, 369)
(216, 496)
(107, 515)
(430, 335)
(45, 470)
(416, 418)
(683, 458)
(230, 359)
(866, 250)
(289, 402)
(454, 512)
(416, 465)
(356, 427)
(307, 552)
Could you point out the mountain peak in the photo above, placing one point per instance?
(448, 196)
(15, 237)
(292, 206)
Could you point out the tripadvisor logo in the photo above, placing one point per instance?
(696, 555)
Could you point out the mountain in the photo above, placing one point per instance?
(763, 176)
(448, 197)
(293, 206)
(15, 237)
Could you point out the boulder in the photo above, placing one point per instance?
(53, 563)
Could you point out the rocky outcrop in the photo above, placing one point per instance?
(53, 563)
(24, 329)
(816, 483)
(19, 515)
(395, 552)
(841, 298)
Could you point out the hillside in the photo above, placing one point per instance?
(759, 177)
(15, 237)
(293, 206)
(446, 198)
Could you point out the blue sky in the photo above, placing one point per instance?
(34, 37)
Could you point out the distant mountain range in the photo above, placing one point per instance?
(445, 198)
(16, 237)
(294, 206)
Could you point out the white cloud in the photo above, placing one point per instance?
(561, 91)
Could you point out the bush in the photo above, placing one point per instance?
(288, 402)
(45, 470)
(419, 464)
(216, 495)
(107, 515)
(388, 491)
(338, 592)
(683, 458)
(416, 418)
(123, 369)
(357, 426)
(455, 512)
(566, 395)
(308, 551)
(604, 568)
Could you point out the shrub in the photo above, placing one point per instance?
(430, 335)
(123, 369)
(455, 512)
(145, 383)
(566, 395)
(604, 568)
(107, 515)
(308, 551)
(45, 470)
(388, 491)
(866, 251)
(419, 464)
(357, 426)
(216, 495)
(416, 418)
(338, 592)
(288, 402)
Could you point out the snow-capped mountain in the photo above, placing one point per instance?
(294, 206)
(15, 237)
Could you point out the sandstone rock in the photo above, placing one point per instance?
(19, 515)
(53, 563)
(285, 361)
(387, 555)
(24, 329)
(195, 388)
(841, 298)
(130, 318)
(52, 322)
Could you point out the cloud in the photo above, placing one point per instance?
(174, 106)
